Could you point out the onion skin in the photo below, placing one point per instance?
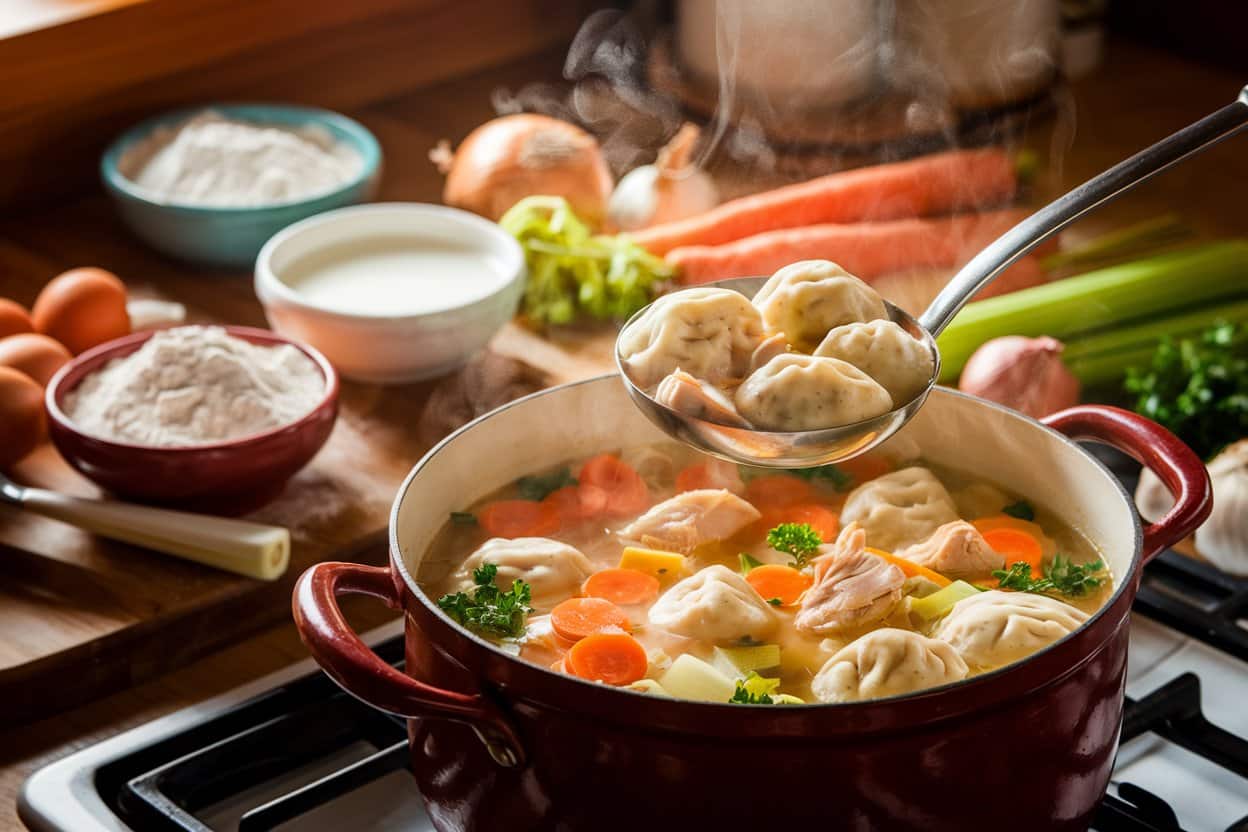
(509, 158)
(1026, 374)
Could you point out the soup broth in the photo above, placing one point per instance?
(873, 578)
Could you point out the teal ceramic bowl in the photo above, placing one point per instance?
(224, 236)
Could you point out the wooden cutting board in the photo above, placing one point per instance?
(82, 616)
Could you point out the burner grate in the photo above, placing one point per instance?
(1198, 599)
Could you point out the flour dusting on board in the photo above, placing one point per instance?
(196, 385)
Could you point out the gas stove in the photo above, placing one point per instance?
(292, 751)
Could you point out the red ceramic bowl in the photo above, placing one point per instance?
(225, 477)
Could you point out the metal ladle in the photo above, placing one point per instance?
(801, 449)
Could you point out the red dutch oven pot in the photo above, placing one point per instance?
(500, 744)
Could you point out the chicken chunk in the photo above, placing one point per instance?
(691, 519)
(686, 394)
(852, 587)
(955, 548)
(770, 347)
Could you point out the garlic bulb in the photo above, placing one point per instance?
(671, 189)
(1026, 374)
(1223, 538)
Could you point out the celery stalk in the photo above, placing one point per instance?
(1132, 240)
(1100, 299)
(1108, 367)
(1150, 331)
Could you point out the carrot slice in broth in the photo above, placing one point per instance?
(613, 658)
(622, 586)
(518, 518)
(576, 618)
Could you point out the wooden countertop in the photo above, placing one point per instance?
(1138, 96)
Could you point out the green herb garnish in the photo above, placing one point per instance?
(748, 562)
(775, 602)
(1061, 576)
(488, 609)
(1197, 387)
(463, 518)
(828, 473)
(754, 690)
(797, 540)
(540, 487)
(1022, 510)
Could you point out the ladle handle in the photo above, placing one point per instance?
(1098, 190)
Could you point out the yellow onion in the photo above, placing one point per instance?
(671, 189)
(1026, 374)
(509, 158)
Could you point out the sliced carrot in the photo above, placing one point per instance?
(1016, 546)
(614, 658)
(779, 490)
(626, 491)
(622, 586)
(911, 569)
(820, 518)
(711, 474)
(777, 581)
(929, 185)
(865, 468)
(576, 618)
(577, 503)
(519, 518)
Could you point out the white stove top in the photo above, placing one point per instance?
(1205, 797)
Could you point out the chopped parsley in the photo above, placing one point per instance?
(1061, 576)
(775, 602)
(797, 540)
(540, 487)
(1022, 510)
(828, 473)
(463, 518)
(488, 609)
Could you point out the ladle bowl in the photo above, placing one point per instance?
(808, 448)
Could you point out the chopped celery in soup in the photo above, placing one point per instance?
(673, 574)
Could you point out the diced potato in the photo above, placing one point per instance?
(666, 566)
(649, 686)
(691, 678)
(738, 662)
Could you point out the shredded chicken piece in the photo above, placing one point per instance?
(691, 519)
(852, 587)
(693, 397)
(955, 548)
(770, 347)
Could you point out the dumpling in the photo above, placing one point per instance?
(901, 508)
(995, 628)
(550, 568)
(806, 299)
(688, 520)
(686, 394)
(715, 604)
(852, 587)
(801, 392)
(901, 363)
(887, 662)
(955, 548)
(708, 333)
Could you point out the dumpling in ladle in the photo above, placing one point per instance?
(795, 392)
(899, 362)
(806, 299)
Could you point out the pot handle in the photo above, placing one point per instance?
(363, 674)
(1175, 464)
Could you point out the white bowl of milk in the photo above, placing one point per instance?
(391, 292)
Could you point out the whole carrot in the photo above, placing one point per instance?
(867, 249)
(937, 184)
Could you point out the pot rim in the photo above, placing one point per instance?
(979, 681)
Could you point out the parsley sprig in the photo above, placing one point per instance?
(1061, 576)
(488, 609)
(797, 540)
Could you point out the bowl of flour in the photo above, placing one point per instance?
(209, 417)
(210, 185)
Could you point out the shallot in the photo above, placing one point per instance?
(1026, 374)
(509, 158)
(671, 189)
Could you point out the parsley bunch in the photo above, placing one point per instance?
(797, 540)
(489, 610)
(1197, 387)
(1062, 576)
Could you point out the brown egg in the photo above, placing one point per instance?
(38, 356)
(82, 308)
(21, 416)
(14, 318)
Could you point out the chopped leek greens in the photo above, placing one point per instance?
(463, 518)
(748, 563)
(938, 604)
(540, 487)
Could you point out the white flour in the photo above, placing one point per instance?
(213, 160)
(195, 385)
